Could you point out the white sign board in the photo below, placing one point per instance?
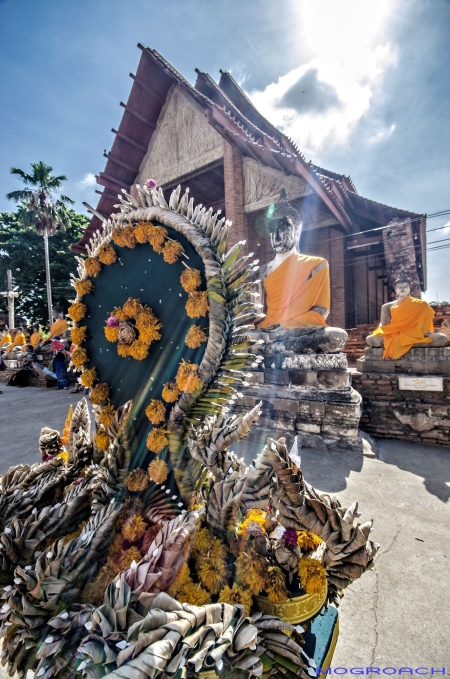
(421, 383)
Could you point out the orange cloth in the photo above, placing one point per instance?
(411, 318)
(6, 339)
(19, 340)
(36, 339)
(58, 328)
(290, 294)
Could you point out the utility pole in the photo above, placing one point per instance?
(10, 294)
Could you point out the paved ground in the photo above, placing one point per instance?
(395, 616)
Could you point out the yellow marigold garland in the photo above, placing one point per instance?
(149, 334)
(212, 573)
(79, 357)
(307, 540)
(136, 480)
(253, 516)
(99, 393)
(312, 575)
(236, 596)
(78, 335)
(156, 236)
(106, 415)
(134, 528)
(195, 337)
(190, 279)
(84, 287)
(138, 350)
(121, 315)
(92, 266)
(123, 350)
(77, 311)
(197, 304)
(183, 578)
(157, 439)
(170, 392)
(89, 377)
(156, 411)
(158, 471)
(132, 307)
(172, 251)
(107, 254)
(193, 594)
(140, 232)
(124, 237)
(251, 571)
(125, 559)
(276, 585)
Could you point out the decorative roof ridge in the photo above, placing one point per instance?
(391, 207)
(232, 106)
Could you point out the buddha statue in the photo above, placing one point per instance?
(295, 291)
(405, 323)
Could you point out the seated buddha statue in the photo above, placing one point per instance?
(405, 323)
(295, 290)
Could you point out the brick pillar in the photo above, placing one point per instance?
(337, 279)
(400, 253)
(234, 196)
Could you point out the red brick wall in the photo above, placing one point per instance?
(399, 250)
(234, 197)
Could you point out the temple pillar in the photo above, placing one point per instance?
(337, 279)
(234, 195)
(400, 253)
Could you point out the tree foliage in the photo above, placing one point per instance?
(22, 251)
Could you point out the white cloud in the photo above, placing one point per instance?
(88, 180)
(319, 103)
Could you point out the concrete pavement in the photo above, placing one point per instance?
(397, 615)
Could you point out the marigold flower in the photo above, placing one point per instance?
(276, 585)
(134, 528)
(118, 313)
(307, 540)
(187, 378)
(107, 254)
(106, 415)
(123, 349)
(99, 393)
(195, 337)
(77, 311)
(79, 357)
(84, 287)
(64, 455)
(149, 334)
(140, 232)
(137, 480)
(172, 251)
(236, 596)
(253, 516)
(146, 317)
(101, 439)
(170, 392)
(193, 594)
(312, 575)
(149, 536)
(92, 266)
(125, 559)
(124, 237)
(89, 377)
(156, 411)
(212, 573)
(251, 571)
(78, 335)
(111, 334)
(197, 304)
(157, 439)
(183, 578)
(158, 471)
(138, 350)
(132, 307)
(202, 541)
(190, 279)
(156, 235)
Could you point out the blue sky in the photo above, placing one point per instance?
(376, 74)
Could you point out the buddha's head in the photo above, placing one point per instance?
(402, 285)
(284, 225)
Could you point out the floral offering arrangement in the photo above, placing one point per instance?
(166, 556)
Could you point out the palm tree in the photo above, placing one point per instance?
(41, 209)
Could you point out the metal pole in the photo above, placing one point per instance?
(48, 280)
(10, 299)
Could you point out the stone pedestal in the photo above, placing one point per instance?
(305, 395)
(408, 398)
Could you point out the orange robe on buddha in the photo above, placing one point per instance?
(6, 339)
(291, 294)
(36, 339)
(19, 340)
(411, 318)
(58, 328)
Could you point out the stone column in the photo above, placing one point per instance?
(400, 253)
(337, 281)
(234, 195)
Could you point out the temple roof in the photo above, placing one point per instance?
(231, 113)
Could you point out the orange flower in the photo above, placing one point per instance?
(78, 335)
(138, 350)
(89, 377)
(92, 266)
(195, 337)
(136, 480)
(156, 236)
(172, 251)
(140, 232)
(157, 470)
(111, 334)
(107, 254)
(99, 393)
(79, 357)
(77, 311)
(124, 237)
(84, 287)
(106, 415)
(170, 392)
(132, 307)
(197, 304)
(190, 279)
(123, 349)
(157, 439)
(101, 439)
(156, 411)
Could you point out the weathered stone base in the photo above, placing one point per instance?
(33, 381)
(319, 406)
(418, 361)
(415, 416)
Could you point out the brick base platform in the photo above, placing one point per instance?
(391, 413)
(33, 381)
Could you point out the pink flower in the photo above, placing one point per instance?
(290, 537)
(151, 184)
(113, 322)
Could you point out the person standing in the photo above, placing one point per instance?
(60, 355)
